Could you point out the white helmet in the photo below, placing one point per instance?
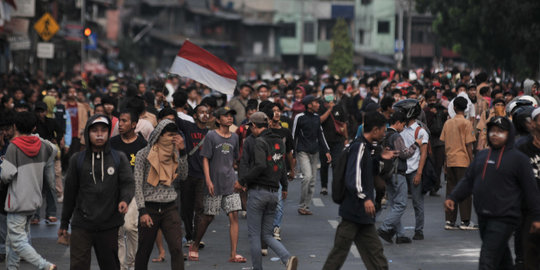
(529, 98)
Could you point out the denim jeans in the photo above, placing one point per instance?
(418, 202)
(279, 209)
(3, 233)
(495, 253)
(397, 202)
(17, 245)
(308, 165)
(261, 209)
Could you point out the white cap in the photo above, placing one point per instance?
(535, 113)
(100, 119)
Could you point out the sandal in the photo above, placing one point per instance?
(159, 259)
(238, 259)
(193, 255)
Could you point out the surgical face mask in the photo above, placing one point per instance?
(329, 98)
(271, 99)
(290, 96)
(449, 75)
(498, 134)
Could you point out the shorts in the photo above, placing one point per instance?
(229, 203)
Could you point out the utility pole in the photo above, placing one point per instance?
(399, 49)
(83, 5)
(409, 26)
(301, 34)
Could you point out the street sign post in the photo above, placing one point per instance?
(45, 50)
(46, 27)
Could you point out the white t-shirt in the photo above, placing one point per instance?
(408, 137)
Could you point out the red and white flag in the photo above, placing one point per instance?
(198, 64)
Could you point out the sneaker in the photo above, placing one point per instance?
(51, 220)
(324, 191)
(277, 232)
(292, 263)
(264, 251)
(469, 226)
(386, 236)
(300, 176)
(418, 235)
(60, 199)
(188, 243)
(450, 226)
(403, 240)
(52, 267)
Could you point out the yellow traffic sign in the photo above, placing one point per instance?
(46, 26)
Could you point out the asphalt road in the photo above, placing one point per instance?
(310, 238)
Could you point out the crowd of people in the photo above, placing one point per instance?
(133, 160)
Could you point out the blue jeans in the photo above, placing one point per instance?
(397, 202)
(279, 209)
(308, 165)
(261, 209)
(3, 233)
(418, 202)
(17, 245)
(495, 253)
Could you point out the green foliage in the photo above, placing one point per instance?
(341, 59)
(489, 33)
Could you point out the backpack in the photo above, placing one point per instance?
(429, 176)
(82, 154)
(339, 169)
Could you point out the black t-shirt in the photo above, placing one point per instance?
(533, 152)
(286, 135)
(329, 129)
(193, 135)
(130, 149)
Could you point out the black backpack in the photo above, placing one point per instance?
(339, 169)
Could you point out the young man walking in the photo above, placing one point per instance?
(99, 187)
(156, 167)
(23, 169)
(458, 137)
(499, 178)
(309, 140)
(192, 190)
(396, 183)
(219, 152)
(263, 181)
(415, 164)
(129, 143)
(357, 209)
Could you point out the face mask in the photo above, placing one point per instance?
(329, 98)
(500, 135)
(449, 75)
(290, 96)
(499, 111)
(271, 99)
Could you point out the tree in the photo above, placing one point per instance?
(341, 59)
(489, 33)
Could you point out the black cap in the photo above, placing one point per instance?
(308, 99)
(223, 111)
(501, 122)
(40, 105)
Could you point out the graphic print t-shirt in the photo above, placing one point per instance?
(130, 149)
(221, 153)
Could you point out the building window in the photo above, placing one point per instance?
(361, 34)
(383, 27)
(309, 32)
(288, 30)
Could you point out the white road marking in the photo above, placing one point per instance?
(354, 251)
(333, 223)
(409, 228)
(318, 202)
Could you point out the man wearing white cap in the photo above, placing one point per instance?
(99, 187)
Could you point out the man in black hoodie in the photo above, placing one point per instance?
(498, 178)
(99, 187)
(263, 180)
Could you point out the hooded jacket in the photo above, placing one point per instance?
(499, 179)
(93, 191)
(23, 168)
(145, 192)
